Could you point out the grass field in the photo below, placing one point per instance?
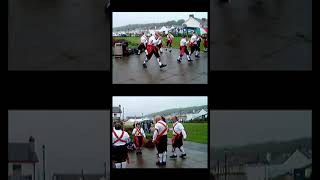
(135, 41)
(196, 132)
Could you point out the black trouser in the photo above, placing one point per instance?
(194, 47)
(141, 47)
(162, 144)
(153, 51)
(119, 153)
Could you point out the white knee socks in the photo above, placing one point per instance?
(158, 59)
(160, 157)
(182, 150)
(164, 157)
(121, 165)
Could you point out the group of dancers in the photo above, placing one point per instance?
(121, 138)
(153, 45)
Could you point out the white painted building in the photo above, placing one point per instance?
(116, 113)
(22, 160)
(295, 161)
(201, 114)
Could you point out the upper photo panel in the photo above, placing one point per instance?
(160, 47)
(261, 35)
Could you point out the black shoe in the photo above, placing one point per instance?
(190, 60)
(197, 56)
(183, 155)
(144, 65)
(169, 50)
(178, 60)
(163, 65)
(137, 153)
(163, 163)
(166, 49)
(173, 156)
(158, 163)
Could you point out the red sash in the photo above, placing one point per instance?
(182, 50)
(151, 48)
(177, 135)
(163, 131)
(119, 138)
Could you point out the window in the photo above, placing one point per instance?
(16, 169)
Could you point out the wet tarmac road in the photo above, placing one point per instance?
(57, 35)
(129, 70)
(261, 35)
(197, 157)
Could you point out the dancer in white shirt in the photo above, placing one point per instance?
(120, 140)
(179, 134)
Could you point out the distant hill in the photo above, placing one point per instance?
(275, 148)
(186, 110)
(148, 26)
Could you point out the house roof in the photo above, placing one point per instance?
(116, 110)
(21, 152)
(134, 117)
(252, 158)
(77, 176)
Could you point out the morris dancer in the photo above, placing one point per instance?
(169, 41)
(193, 44)
(159, 45)
(179, 134)
(183, 49)
(152, 49)
(139, 136)
(143, 44)
(120, 139)
(160, 139)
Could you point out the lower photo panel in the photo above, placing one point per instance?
(159, 137)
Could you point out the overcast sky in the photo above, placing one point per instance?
(126, 18)
(244, 127)
(135, 105)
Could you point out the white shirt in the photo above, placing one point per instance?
(193, 39)
(144, 39)
(178, 128)
(159, 127)
(125, 137)
(170, 36)
(153, 41)
(136, 133)
(183, 42)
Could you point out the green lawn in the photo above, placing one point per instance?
(135, 41)
(196, 132)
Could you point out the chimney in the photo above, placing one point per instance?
(31, 144)
(191, 15)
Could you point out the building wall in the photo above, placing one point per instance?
(26, 168)
(255, 172)
(118, 115)
(296, 160)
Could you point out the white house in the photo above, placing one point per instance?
(193, 22)
(201, 114)
(22, 160)
(295, 161)
(116, 113)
